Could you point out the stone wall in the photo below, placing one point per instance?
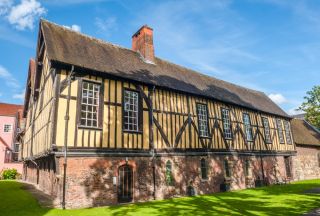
(45, 175)
(90, 180)
(306, 163)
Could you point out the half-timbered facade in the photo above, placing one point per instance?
(106, 124)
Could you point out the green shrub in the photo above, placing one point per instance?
(9, 174)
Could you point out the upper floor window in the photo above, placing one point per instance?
(280, 130)
(287, 131)
(203, 120)
(247, 126)
(227, 171)
(90, 104)
(131, 111)
(266, 128)
(7, 128)
(226, 123)
(169, 176)
(204, 168)
(16, 147)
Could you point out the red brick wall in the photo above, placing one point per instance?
(306, 164)
(90, 180)
(44, 175)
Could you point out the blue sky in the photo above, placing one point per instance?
(268, 45)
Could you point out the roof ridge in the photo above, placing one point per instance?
(87, 36)
(121, 47)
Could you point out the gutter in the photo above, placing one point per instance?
(66, 118)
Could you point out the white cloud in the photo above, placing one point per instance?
(23, 15)
(74, 27)
(5, 6)
(19, 96)
(8, 78)
(294, 111)
(278, 98)
(106, 25)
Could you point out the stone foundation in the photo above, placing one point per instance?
(94, 181)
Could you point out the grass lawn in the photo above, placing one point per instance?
(273, 200)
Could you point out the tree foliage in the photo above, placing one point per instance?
(311, 106)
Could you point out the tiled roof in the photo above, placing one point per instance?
(10, 109)
(304, 133)
(72, 48)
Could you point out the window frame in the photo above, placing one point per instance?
(203, 167)
(4, 128)
(207, 120)
(265, 129)
(168, 174)
(288, 166)
(280, 131)
(140, 112)
(245, 126)
(100, 105)
(287, 132)
(230, 123)
(227, 169)
(247, 168)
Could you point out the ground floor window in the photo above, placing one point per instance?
(169, 176)
(247, 168)
(204, 168)
(287, 162)
(227, 170)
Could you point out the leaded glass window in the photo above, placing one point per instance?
(287, 132)
(90, 104)
(247, 126)
(169, 176)
(203, 120)
(280, 130)
(226, 123)
(227, 169)
(204, 168)
(131, 111)
(266, 130)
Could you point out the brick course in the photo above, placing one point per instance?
(90, 179)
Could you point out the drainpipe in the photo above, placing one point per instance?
(66, 118)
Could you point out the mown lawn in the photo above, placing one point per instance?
(273, 200)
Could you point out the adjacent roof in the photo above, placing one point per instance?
(67, 46)
(299, 116)
(304, 133)
(10, 109)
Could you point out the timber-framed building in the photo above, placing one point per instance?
(106, 124)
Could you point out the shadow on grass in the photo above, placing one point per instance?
(15, 200)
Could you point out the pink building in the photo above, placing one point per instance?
(11, 125)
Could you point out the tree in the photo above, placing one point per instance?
(311, 106)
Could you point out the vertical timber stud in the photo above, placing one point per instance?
(151, 139)
(66, 118)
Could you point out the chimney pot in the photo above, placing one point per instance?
(142, 41)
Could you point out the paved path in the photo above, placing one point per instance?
(43, 199)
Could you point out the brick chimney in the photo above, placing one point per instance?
(142, 41)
